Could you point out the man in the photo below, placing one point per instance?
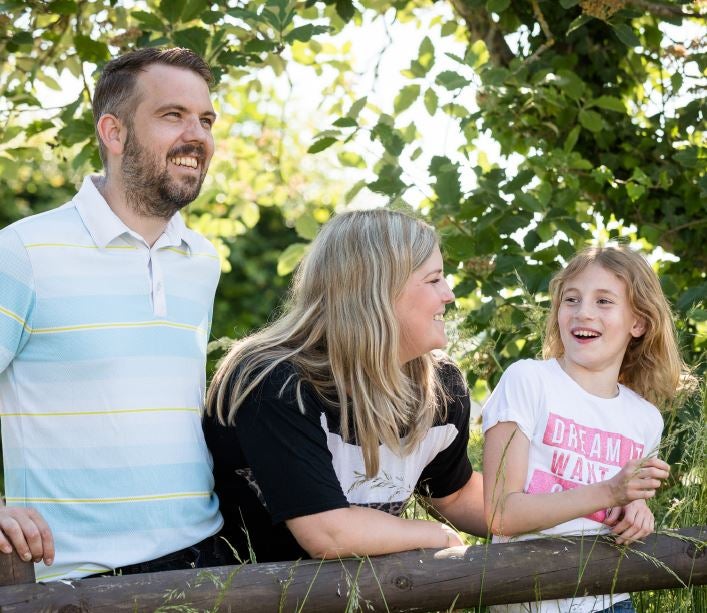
(105, 308)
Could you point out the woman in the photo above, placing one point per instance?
(324, 423)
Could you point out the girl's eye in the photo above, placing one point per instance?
(437, 280)
(604, 301)
(571, 299)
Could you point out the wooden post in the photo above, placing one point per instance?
(14, 571)
(409, 581)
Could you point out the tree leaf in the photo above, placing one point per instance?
(194, 38)
(321, 144)
(357, 107)
(571, 139)
(62, 7)
(497, 6)
(567, 4)
(345, 9)
(194, 8)
(389, 138)
(451, 80)
(686, 157)
(406, 98)
(346, 122)
(626, 35)
(577, 23)
(259, 45)
(149, 21)
(591, 120)
(388, 181)
(171, 10)
(290, 258)
(447, 182)
(431, 101)
(306, 226)
(353, 192)
(426, 55)
(304, 33)
(610, 103)
(90, 50)
(634, 190)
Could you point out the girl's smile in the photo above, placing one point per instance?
(596, 325)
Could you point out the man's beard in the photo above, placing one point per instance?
(152, 192)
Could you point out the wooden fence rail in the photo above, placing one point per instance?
(409, 581)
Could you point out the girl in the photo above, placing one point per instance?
(570, 441)
(323, 424)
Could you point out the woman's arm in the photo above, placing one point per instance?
(464, 509)
(363, 531)
(510, 511)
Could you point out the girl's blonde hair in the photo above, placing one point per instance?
(340, 332)
(652, 365)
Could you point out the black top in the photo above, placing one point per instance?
(277, 463)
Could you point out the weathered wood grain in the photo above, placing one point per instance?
(410, 581)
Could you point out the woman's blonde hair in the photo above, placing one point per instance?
(652, 365)
(340, 332)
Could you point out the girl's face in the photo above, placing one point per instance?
(420, 309)
(596, 322)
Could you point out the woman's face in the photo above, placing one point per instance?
(420, 309)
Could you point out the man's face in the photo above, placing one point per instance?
(168, 143)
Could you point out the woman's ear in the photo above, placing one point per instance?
(110, 131)
(638, 329)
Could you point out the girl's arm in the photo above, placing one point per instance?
(363, 531)
(510, 511)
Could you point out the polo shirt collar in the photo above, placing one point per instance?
(105, 226)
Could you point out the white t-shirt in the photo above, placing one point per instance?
(576, 439)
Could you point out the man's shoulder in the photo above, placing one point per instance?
(199, 244)
(43, 226)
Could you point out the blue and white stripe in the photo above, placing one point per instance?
(102, 375)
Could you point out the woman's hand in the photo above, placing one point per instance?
(631, 522)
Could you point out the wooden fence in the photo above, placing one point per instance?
(410, 581)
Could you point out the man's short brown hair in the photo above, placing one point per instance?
(115, 90)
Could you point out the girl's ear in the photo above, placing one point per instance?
(638, 329)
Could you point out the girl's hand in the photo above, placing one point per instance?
(631, 522)
(637, 480)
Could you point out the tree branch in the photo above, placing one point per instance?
(482, 27)
(666, 11)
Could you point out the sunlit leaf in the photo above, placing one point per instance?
(406, 97)
(321, 144)
(290, 258)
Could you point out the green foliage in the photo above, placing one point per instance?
(598, 117)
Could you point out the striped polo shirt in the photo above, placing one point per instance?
(102, 376)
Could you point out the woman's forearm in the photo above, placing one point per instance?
(364, 531)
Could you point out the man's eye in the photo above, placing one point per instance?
(207, 123)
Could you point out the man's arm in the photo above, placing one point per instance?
(21, 528)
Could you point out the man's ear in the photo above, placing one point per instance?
(639, 327)
(112, 133)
